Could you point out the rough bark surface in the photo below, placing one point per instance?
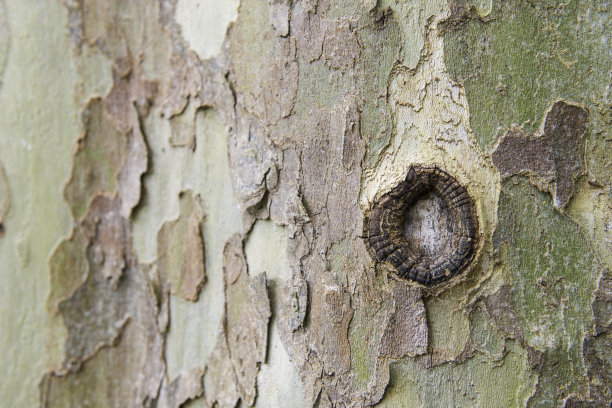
(186, 185)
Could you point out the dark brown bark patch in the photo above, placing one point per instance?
(602, 304)
(554, 157)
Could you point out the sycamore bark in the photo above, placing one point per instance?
(185, 187)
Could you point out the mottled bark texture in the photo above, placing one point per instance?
(186, 190)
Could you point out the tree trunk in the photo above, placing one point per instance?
(307, 203)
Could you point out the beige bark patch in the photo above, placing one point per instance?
(234, 262)
(309, 32)
(248, 313)
(180, 249)
(340, 47)
(220, 381)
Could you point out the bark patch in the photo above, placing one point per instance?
(5, 199)
(340, 48)
(553, 158)
(242, 343)
(100, 153)
(406, 332)
(184, 388)
(111, 319)
(180, 249)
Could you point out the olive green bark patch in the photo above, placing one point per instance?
(484, 336)
(602, 304)
(376, 124)
(97, 162)
(524, 56)
(180, 249)
(553, 272)
(598, 348)
(475, 382)
(68, 267)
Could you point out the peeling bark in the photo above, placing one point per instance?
(168, 285)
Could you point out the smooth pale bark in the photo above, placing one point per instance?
(186, 187)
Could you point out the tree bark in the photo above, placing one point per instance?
(305, 203)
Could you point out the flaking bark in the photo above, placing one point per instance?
(162, 290)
